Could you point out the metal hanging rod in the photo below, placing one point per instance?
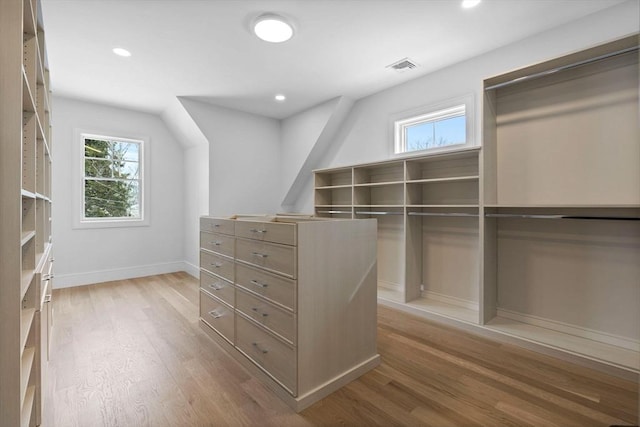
(379, 213)
(335, 212)
(535, 216)
(460, 214)
(562, 68)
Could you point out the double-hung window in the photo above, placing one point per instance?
(112, 180)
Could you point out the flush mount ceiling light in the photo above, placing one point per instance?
(121, 52)
(279, 97)
(272, 28)
(468, 4)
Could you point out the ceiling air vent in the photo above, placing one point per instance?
(403, 65)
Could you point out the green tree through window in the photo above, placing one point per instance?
(112, 181)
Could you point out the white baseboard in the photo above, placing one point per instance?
(578, 331)
(91, 277)
(192, 270)
(451, 300)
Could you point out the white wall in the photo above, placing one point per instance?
(244, 162)
(95, 255)
(304, 141)
(196, 177)
(299, 134)
(196, 202)
(365, 136)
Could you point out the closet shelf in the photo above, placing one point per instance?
(333, 187)
(27, 276)
(27, 236)
(378, 184)
(449, 179)
(26, 321)
(443, 206)
(27, 363)
(27, 406)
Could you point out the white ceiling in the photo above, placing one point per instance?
(204, 49)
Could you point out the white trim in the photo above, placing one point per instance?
(578, 331)
(391, 286)
(77, 174)
(192, 270)
(434, 110)
(451, 300)
(92, 277)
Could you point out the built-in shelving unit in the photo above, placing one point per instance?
(562, 204)
(427, 211)
(536, 235)
(25, 211)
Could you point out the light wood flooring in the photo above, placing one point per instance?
(131, 353)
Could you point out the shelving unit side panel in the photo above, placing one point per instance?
(11, 88)
(578, 272)
(571, 139)
(413, 261)
(488, 276)
(488, 155)
(337, 299)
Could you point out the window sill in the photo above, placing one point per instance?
(125, 223)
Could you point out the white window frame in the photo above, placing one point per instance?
(79, 220)
(399, 123)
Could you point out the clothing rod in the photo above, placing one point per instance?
(378, 213)
(533, 216)
(442, 214)
(562, 68)
(335, 212)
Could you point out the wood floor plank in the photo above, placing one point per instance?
(132, 353)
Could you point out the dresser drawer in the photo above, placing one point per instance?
(217, 287)
(277, 289)
(217, 264)
(278, 258)
(220, 243)
(217, 315)
(276, 319)
(273, 355)
(275, 232)
(217, 225)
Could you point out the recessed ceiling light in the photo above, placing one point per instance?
(121, 52)
(280, 97)
(468, 4)
(272, 28)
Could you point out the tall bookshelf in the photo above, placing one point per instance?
(535, 236)
(25, 211)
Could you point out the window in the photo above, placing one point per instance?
(434, 128)
(112, 190)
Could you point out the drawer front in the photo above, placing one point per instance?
(220, 243)
(217, 287)
(275, 288)
(217, 264)
(274, 356)
(268, 315)
(217, 225)
(275, 232)
(217, 315)
(278, 258)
